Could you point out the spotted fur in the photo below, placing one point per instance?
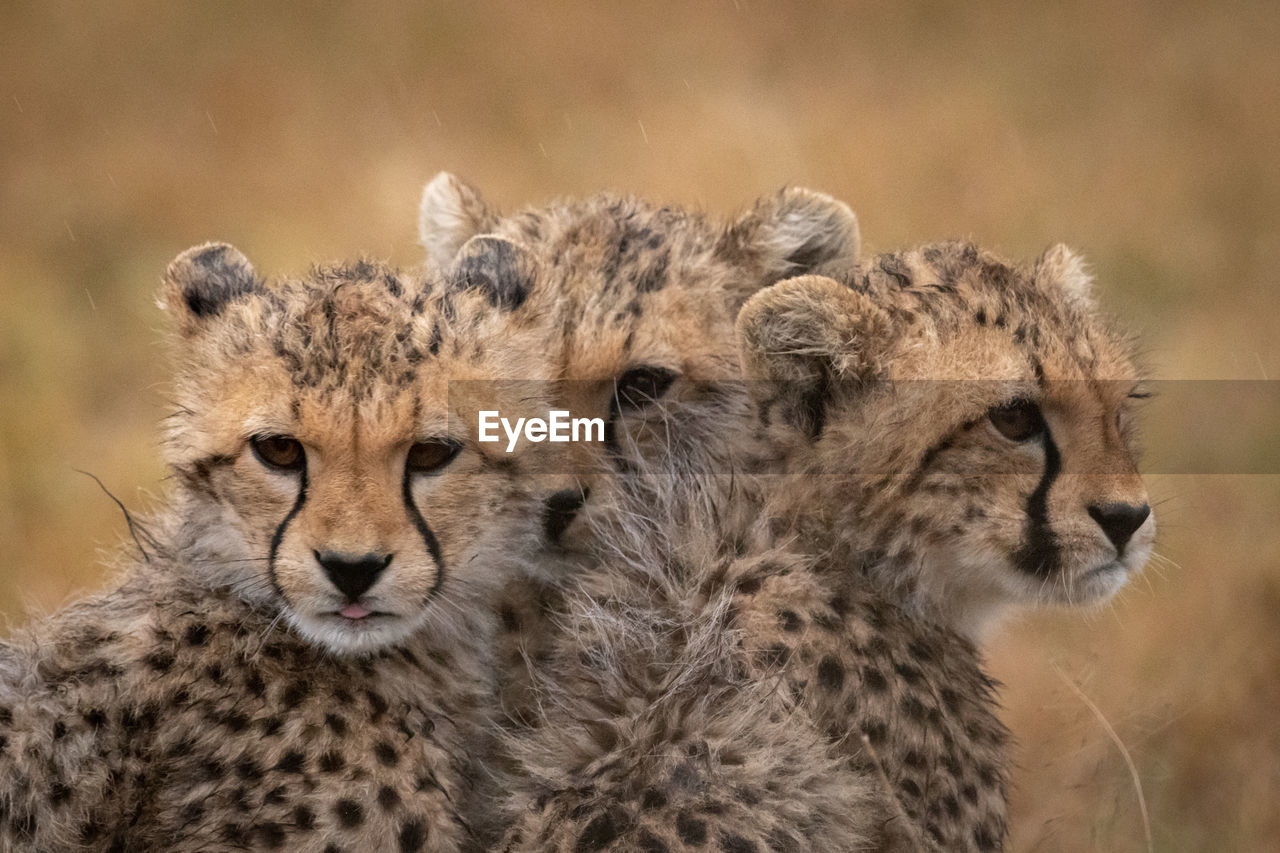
(642, 299)
(880, 394)
(228, 693)
(851, 580)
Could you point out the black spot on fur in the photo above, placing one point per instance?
(388, 798)
(248, 769)
(295, 693)
(59, 795)
(691, 830)
(600, 832)
(652, 799)
(332, 761)
(272, 835)
(349, 813)
(413, 835)
(377, 704)
(831, 674)
(292, 761)
(160, 661)
(197, 635)
(509, 618)
(874, 680)
(789, 621)
(304, 818)
(386, 754)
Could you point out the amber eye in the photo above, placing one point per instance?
(641, 386)
(279, 452)
(1019, 422)
(426, 457)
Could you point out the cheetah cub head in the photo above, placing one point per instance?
(960, 424)
(645, 297)
(324, 446)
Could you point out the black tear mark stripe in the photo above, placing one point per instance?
(278, 536)
(433, 546)
(1039, 552)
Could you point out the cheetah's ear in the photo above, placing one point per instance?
(807, 338)
(202, 281)
(1061, 269)
(450, 214)
(794, 232)
(495, 266)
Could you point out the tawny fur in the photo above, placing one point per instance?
(876, 646)
(214, 699)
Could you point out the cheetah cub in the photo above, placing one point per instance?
(299, 660)
(976, 417)
(644, 298)
(950, 437)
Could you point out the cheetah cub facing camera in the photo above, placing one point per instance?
(300, 659)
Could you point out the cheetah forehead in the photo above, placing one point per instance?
(341, 327)
(980, 305)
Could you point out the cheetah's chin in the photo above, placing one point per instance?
(343, 635)
(1100, 584)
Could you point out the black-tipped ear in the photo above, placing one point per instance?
(1062, 269)
(795, 232)
(451, 213)
(803, 337)
(504, 272)
(201, 281)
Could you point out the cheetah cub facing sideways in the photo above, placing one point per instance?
(941, 438)
(299, 661)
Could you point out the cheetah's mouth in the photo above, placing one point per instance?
(356, 616)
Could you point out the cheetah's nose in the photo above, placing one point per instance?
(1120, 521)
(352, 574)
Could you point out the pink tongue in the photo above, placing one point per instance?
(354, 611)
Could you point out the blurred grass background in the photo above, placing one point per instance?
(1144, 134)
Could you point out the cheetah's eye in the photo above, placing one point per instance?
(426, 457)
(279, 452)
(1021, 421)
(640, 386)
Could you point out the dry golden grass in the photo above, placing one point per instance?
(1143, 133)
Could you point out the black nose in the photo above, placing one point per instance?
(1119, 521)
(560, 509)
(352, 573)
